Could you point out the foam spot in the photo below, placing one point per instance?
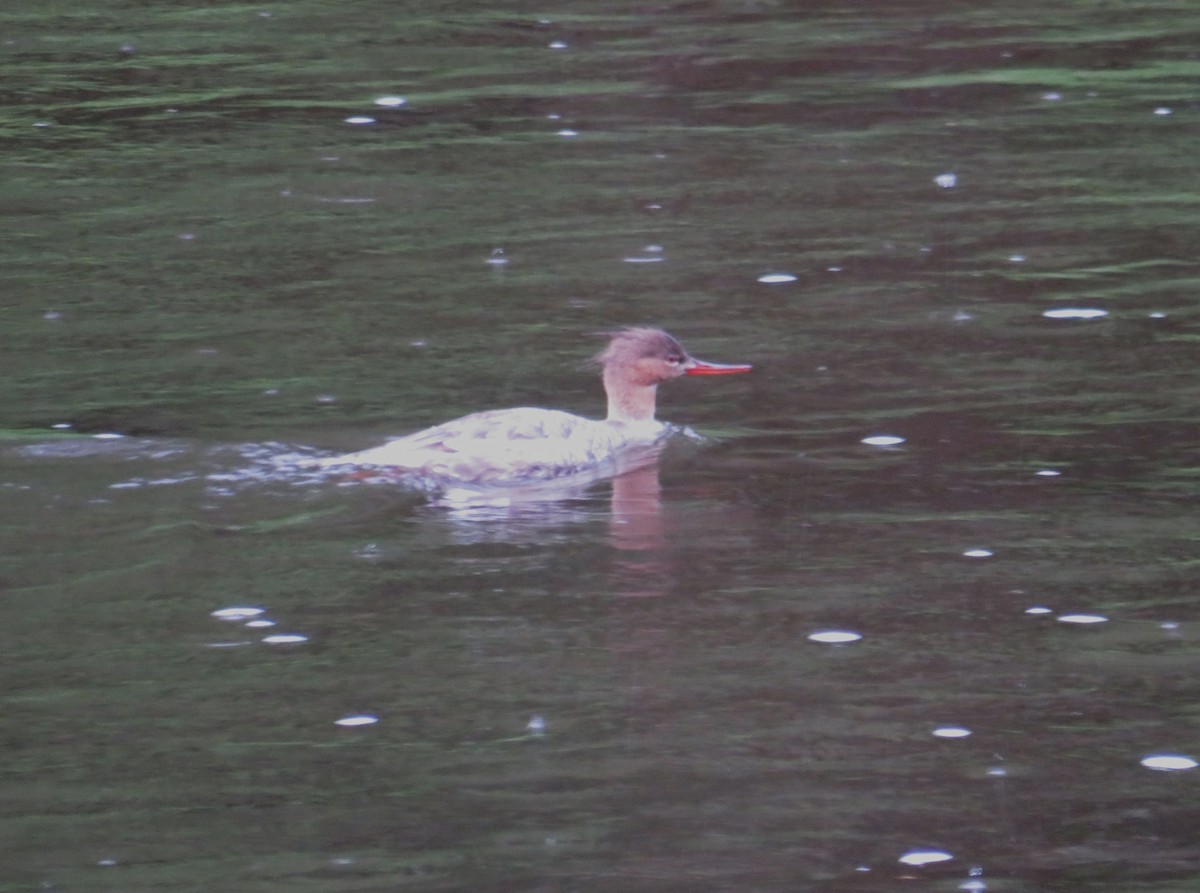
(360, 719)
(835, 636)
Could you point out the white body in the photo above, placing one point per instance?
(508, 446)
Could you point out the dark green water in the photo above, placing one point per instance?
(200, 253)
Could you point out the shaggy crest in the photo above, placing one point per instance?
(638, 343)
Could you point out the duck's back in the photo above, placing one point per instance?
(507, 445)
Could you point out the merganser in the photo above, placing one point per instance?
(528, 445)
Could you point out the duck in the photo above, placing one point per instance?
(532, 445)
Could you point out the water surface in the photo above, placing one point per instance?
(616, 689)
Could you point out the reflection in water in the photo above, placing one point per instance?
(528, 498)
(527, 513)
(643, 566)
(636, 522)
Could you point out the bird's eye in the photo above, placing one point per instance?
(674, 359)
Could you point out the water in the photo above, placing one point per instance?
(886, 210)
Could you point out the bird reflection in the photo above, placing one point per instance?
(638, 534)
(637, 529)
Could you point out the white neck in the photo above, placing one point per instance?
(627, 401)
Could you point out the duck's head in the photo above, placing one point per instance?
(649, 356)
(638, 359)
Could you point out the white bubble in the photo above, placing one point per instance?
(657, 259)
(108, 435)
(925, 857)
(882, 440)
(1052, 96)
(1169, 762)
(946, 181)
(1048, 473)
(359, 719)
(978, 553)
(1162, 110)
(567, 133)
(61, 425)
(775, 278)
(536, 724)
(1075, 313)
(1038, 609)
(1082, 618)
(238, 613)
(369, 552)
(557, 45)
(835, 636)
(360, 119)
(1016, 258)
(951, 732)
(391, 102)
(260, 624)
(497, 258)
(285, 639)
(997, 772)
